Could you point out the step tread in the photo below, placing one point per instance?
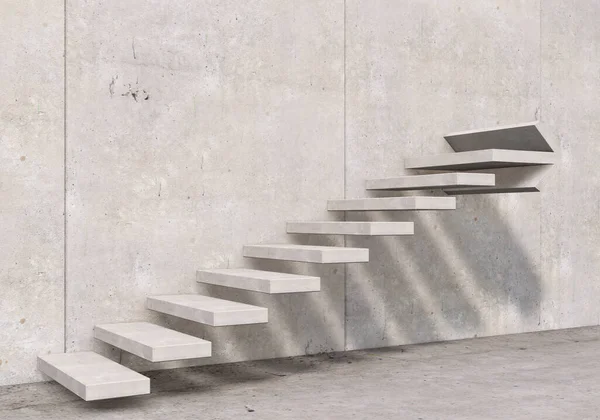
(260, 281)
(393, 204)
(208, 310)
(481, 159)
(352, 228)
(307, 253)
(153, 342)
(530, 136)
(92, 376)
(431, 181)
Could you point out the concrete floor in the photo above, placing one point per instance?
(550, 375)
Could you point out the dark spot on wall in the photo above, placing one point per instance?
(23, 158)
(475, 219)
(111, 85)
(136, 93)
(22, 321)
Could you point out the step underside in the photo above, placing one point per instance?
(530, 136)
(208, 310)
(153, 342)
(393, 204)
(352, 228)
(481, 159)
(260, 281)
(92, 376)
(307, 253)
(432, 181)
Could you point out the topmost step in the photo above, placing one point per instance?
(531, 136)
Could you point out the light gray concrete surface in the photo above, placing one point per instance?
(31, 186)
(549, 375)
(259, 280)
(352, 228)
(416, 71)
(510, 180)
(393, 204)
(431, 181)
(208, 310)
(481, 159)
(93, 377)
(195, 130)
(152, 342)
(570, 231)
(308, 253)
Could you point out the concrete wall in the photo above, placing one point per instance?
(194, 130)
(31, 185)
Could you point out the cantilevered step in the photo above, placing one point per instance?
(153, 342)
(352, 228)
(208, 310)
(508, 180)
(393, 204)
(93, 377)
(432, 181)
(529, 136)
(308, 253)
(481, 159)
(260, 281)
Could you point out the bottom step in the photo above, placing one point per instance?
(93, 377)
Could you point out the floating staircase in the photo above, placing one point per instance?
(505, 159)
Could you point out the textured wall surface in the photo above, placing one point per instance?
(193, 129)
(31, 186)
(416, 71)
(570, 194)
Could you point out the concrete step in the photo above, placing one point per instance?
(508, 180)
(532, 136)
(153, 342)
(352, 228)
(208, 310)
(481, 159)
(308, 253)
(432, 181)
(393, 204)
(260, 281)
(93, 377)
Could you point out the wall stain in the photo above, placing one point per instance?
(136, 93)
(22, 321)
(111, 85)
(23, 158)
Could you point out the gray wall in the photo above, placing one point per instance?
(31, 185)
(194, 129)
